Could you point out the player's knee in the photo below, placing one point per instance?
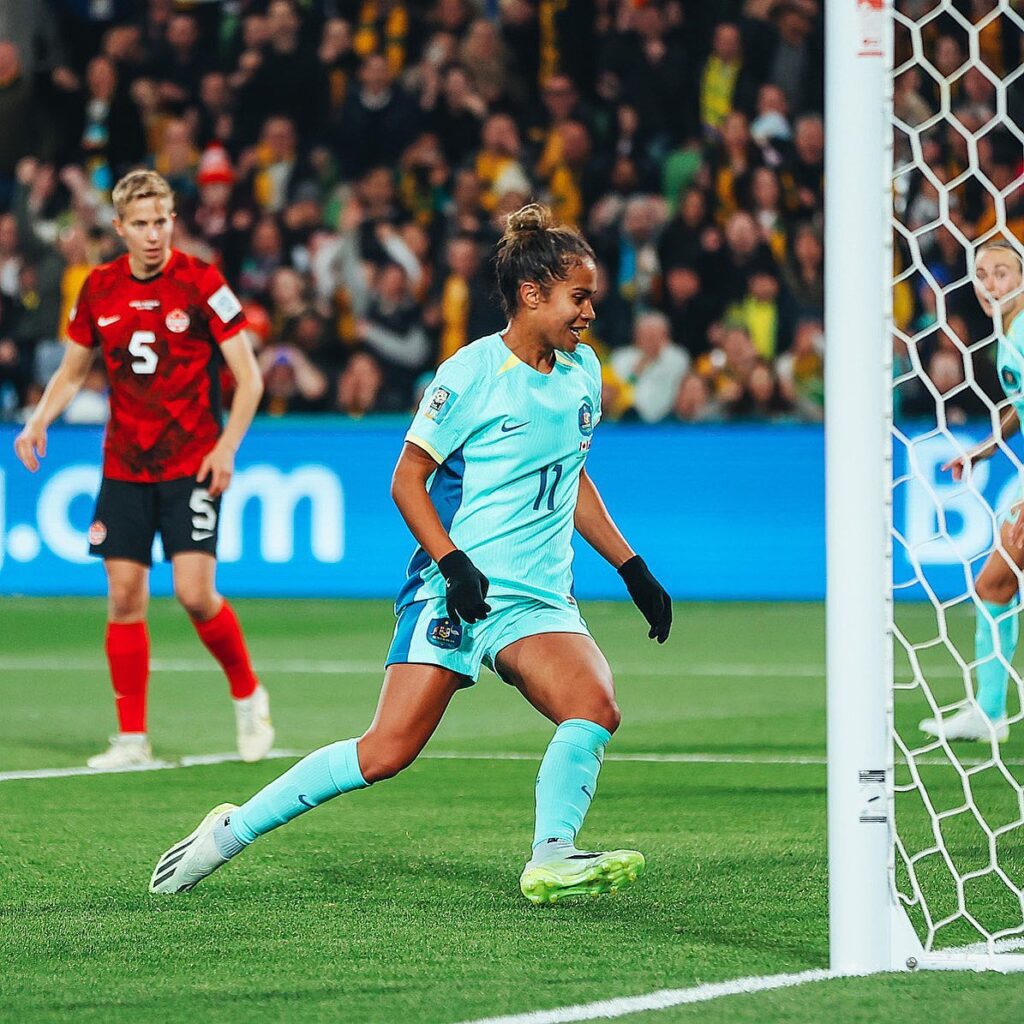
(380, 759)
(1001, 590)
(126, 602)
(198, 601)
(607, 714)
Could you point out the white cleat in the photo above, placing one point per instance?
(189, 861)
(968, 723)
(255, 732)
(127, 750)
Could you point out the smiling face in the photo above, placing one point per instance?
(566, 310)
(146, 227)
(997, 281)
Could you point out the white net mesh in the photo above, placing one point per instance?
(958, 96)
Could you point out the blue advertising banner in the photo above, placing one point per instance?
(728, 512)
(943, 528)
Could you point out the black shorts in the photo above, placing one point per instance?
(128, 516)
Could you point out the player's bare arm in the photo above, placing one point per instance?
(1009, 424)
(596, 526)
(409, 492)
(219, 463)
(30, 444)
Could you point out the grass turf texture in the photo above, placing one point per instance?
(401, 903)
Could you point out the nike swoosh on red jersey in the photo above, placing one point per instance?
(106, 321)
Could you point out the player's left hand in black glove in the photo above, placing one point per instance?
(649, 596)
(466, 587)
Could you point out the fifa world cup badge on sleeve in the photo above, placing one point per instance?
(225, 304)
(440, 402)
(444, 633)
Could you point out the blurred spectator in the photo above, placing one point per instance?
(18, 127)
(630, 253)
(694, 402)
(724, 87)
(804, 272)
(359, 385)
(466, 307)
(653, 366)
(108, 126)
(804, 175)
(377, 121)
(758, 313)
(801, 371)
(688, 309)
(291, 383)
(392, 330)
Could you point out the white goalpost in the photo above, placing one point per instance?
(926, 837)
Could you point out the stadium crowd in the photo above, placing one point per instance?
(349, 163)
(959, 165)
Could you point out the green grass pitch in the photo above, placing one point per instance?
(400, 904)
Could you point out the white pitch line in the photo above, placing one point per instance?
(197, 760)
(23, 663)
(606, 1009)
(315, 667)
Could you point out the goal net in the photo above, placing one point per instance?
(956, 809)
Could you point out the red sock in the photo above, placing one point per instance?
(223, 638)
(128, 657)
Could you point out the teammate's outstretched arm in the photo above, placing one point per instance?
(219, 463)
(597, 528)
(1009, 424)
(30, 444)
(465, 585)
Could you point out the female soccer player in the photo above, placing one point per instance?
(491, 482)
(998, 286)
(163, 321)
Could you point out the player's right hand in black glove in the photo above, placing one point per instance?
(649, 596)
(466, 587)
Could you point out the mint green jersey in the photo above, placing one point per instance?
(1010, 363)
(510, 443)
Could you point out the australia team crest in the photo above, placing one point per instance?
(445, 634)
(586, 419)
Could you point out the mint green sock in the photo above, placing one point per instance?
(989, 642)
(319, 776)
(567, 779)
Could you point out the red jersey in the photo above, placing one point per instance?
(160, 339)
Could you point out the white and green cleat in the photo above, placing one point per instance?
(191, 859)
(580, 874)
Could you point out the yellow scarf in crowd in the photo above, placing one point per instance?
(454, 316)
(367, 38)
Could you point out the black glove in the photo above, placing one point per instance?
(649, 596)
(466, 587)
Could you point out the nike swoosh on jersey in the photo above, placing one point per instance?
(106, 321)
(505, 429)
(201, 534)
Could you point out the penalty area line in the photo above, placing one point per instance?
(606, 1009)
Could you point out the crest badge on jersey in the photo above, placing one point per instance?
(586, 418)
(445, 634)
(177, 321)
(97, 533)
(440, 402)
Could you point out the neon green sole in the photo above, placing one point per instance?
(549, 883)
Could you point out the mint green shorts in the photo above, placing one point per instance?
(424, 635)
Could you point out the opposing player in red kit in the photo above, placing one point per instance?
(163, 322)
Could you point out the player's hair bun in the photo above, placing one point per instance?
(532, 217)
